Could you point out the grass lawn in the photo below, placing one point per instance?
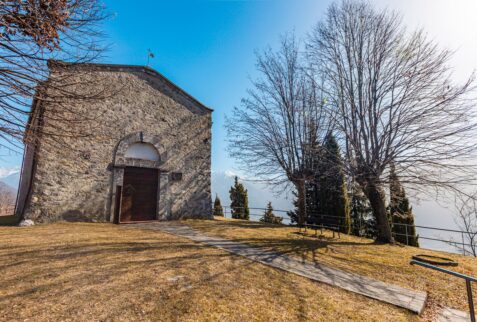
(105, 272)
(383, 262)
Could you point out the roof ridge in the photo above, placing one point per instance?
(146, 69)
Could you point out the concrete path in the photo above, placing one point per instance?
(399, 296)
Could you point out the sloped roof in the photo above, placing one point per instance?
(125, 68)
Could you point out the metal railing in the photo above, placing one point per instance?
(468, 281)
(459, 245)
(257, 213)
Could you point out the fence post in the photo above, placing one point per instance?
(470, 300)
(407, 237)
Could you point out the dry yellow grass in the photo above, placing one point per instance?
(383, 262)
(86, 272)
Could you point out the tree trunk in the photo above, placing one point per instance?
(300, 187)
(376, 197)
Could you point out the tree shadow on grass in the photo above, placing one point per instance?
(114, 277)
(77, 274)
(319, 249)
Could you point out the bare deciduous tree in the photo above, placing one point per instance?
(270, 135)
(394, 102)
(31, 34)
(7, 200)
(467, 221)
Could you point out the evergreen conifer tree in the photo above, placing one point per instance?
(400, 211)
(293, 214)
(361, 215)
(312, 160)
(269, 216)
(332, 193)
(239, 201)
(218, 209)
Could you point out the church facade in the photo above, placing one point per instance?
(123, 144)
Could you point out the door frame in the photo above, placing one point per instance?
(120, 191)
(117, 204)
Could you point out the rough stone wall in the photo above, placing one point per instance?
(73, 176)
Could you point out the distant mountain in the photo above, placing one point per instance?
(12, 180)
(7, 188)
(258, 194)
(10, 176)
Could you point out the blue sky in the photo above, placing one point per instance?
(205, 47)
(208, 47)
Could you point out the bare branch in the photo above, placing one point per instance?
(393, 101)
(270, 134)
(32, 33)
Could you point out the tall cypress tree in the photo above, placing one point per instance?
(218, 209)
(312, 161)
(363, 222)
(400, 211)
(293, 214)
(331, 192)
(239, 201)
(327, 199)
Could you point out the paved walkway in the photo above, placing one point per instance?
(399, 296)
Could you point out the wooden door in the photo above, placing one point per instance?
(139, 194)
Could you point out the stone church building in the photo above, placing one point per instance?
(123, 144)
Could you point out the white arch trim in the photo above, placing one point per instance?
(144, 151)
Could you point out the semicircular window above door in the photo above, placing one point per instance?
(144, 151)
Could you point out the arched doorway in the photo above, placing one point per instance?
(139, 192)
(137, 184)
